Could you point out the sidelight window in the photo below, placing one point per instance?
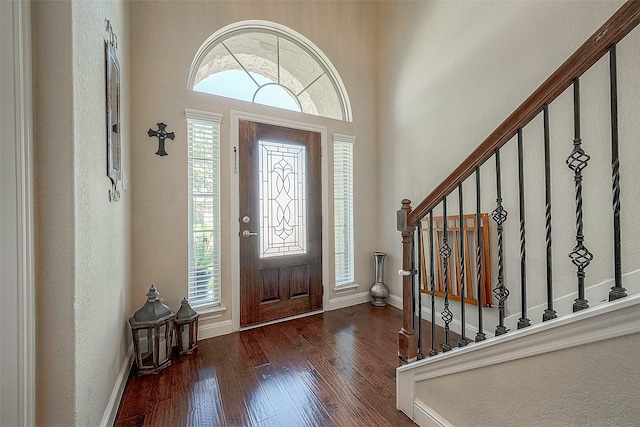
(343, 208)
(203, 130)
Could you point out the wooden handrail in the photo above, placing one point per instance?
(609, 34)
(614, 30)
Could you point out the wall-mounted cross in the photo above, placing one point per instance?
(161, 134)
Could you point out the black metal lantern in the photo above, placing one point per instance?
(151, 327)
(186, 322)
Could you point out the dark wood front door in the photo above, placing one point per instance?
(280, 222)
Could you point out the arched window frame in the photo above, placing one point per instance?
(253, 26)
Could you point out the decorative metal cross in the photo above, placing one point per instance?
(161, 134)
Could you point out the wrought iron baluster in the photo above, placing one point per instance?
(480, 335)
(432, 351)
(463, 338)
(413, 284)
(445, 253)
(523, 322)
(577, 161)
(617, 291)
(419, 274)
(549, 312)
(499, 215)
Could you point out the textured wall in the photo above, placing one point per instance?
(165, 39)
(543, 390)
(55, 203)
(451, 72)
(83, 269)
(102, 228)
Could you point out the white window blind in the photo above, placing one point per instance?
(203, 131)
(343, 208)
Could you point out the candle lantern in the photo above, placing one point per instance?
(151, 327)
(186, 322)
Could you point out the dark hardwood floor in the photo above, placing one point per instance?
(331, 369)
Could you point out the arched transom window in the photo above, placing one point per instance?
(270, 64)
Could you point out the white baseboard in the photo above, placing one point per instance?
(214, 329)
(110, 412)
(424, 416)
(395, 301)
(347, 301)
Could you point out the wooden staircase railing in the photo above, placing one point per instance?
(408, 218)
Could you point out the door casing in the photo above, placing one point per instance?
(236, 116)
(17, 265)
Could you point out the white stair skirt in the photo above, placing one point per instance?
(605, 321)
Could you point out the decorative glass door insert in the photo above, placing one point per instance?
(283, 214)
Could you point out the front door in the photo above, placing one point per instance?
(280, 222)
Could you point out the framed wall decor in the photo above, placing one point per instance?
(114, 165)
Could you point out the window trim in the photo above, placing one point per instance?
(345, 141)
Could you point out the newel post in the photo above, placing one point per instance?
(407, 338)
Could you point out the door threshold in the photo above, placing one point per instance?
(284, 319)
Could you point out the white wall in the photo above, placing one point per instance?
(165, 39)
(83, 247)
(451, 72)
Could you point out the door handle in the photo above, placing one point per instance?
(247, 233)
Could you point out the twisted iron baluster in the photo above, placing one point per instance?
(499, 215)
(577, 161)
(432, 350)
(480, 335)
(419, 273)
(523, 322)
(549, 312)
(617, 291)
(463, 339)
(445, 253)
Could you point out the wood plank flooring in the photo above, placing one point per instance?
(331, 369)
